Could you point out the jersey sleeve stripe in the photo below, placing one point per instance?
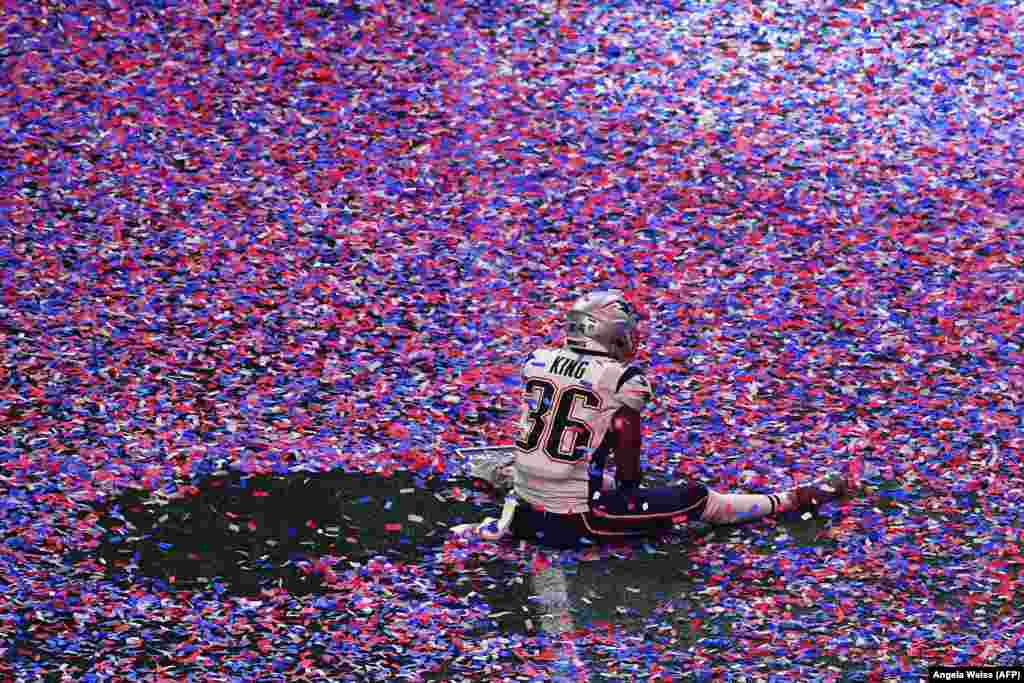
(629, 374)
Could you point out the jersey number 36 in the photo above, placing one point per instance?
(551, 420)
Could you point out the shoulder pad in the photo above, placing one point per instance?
(629, 374)
(633, 389)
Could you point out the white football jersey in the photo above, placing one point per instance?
(569, 398)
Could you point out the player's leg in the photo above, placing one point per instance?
(639, 512)
(644, 511)
(648, 510)
(733, 508)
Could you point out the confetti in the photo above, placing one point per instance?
(277, 240)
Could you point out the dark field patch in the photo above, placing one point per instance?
(245, 533)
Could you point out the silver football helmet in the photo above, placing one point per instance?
(604, 321)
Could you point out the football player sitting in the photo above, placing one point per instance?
(582, 407)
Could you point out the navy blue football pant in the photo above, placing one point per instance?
(613, 515)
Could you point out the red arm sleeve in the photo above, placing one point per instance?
(628, 437)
